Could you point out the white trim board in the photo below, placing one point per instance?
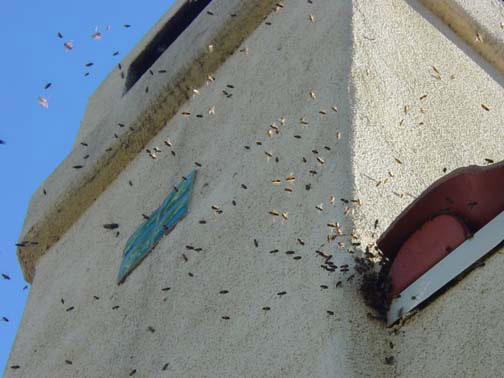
(470, 251)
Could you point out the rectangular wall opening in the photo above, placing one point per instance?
(163, 39)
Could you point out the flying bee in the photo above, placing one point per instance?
(288, 190)
(311, 18)
(185, 257)
(274, 213)
(68, 45)
(110, 226)
(145, 216)
(168, 143)
(43, 102)
(157, 149)
(323, 254)
(226, 317)
(330, 312)
(269, 154)
(285, 216)
(282, 120)
(320, 207)
(244, 186)
(223, 291)
(324, 287)
(338, 135)
(68, 362)
(322, 112)
(290, 252)
(186, 114)
(301, 241)
(274, 251)
(297, 257)
(290, 178)
(320, 160)
(196, 92)
(276, 181)
(266, 308)
(269, 133)
(165, 366)
(210, 48)
(485, 107)
(303, 121)
(256, 243)
(281, 293)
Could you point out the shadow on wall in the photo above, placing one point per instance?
(444, 29)
(365, 334)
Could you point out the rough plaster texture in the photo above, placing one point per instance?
(458, 335)
(109, 148)
(481, 26)
(347, 59)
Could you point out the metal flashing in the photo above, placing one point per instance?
(469, 252)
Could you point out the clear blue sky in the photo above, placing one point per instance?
(38, 139)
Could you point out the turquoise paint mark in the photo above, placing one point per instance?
(161, 222)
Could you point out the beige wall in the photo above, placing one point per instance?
(370, 59)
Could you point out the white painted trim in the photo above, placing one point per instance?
(486, 239)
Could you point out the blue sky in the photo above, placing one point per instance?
(38, 139)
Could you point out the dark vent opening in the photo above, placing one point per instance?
(163, 39)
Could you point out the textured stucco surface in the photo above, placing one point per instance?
(459, 334)
(347, 59)
(297, 337)
(480, 25)
(143, 110)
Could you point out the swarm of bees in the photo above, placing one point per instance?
(375, 284)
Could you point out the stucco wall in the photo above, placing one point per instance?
(297, 337)
(373, 61)
(396, 46)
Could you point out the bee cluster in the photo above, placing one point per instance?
(370, 269)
